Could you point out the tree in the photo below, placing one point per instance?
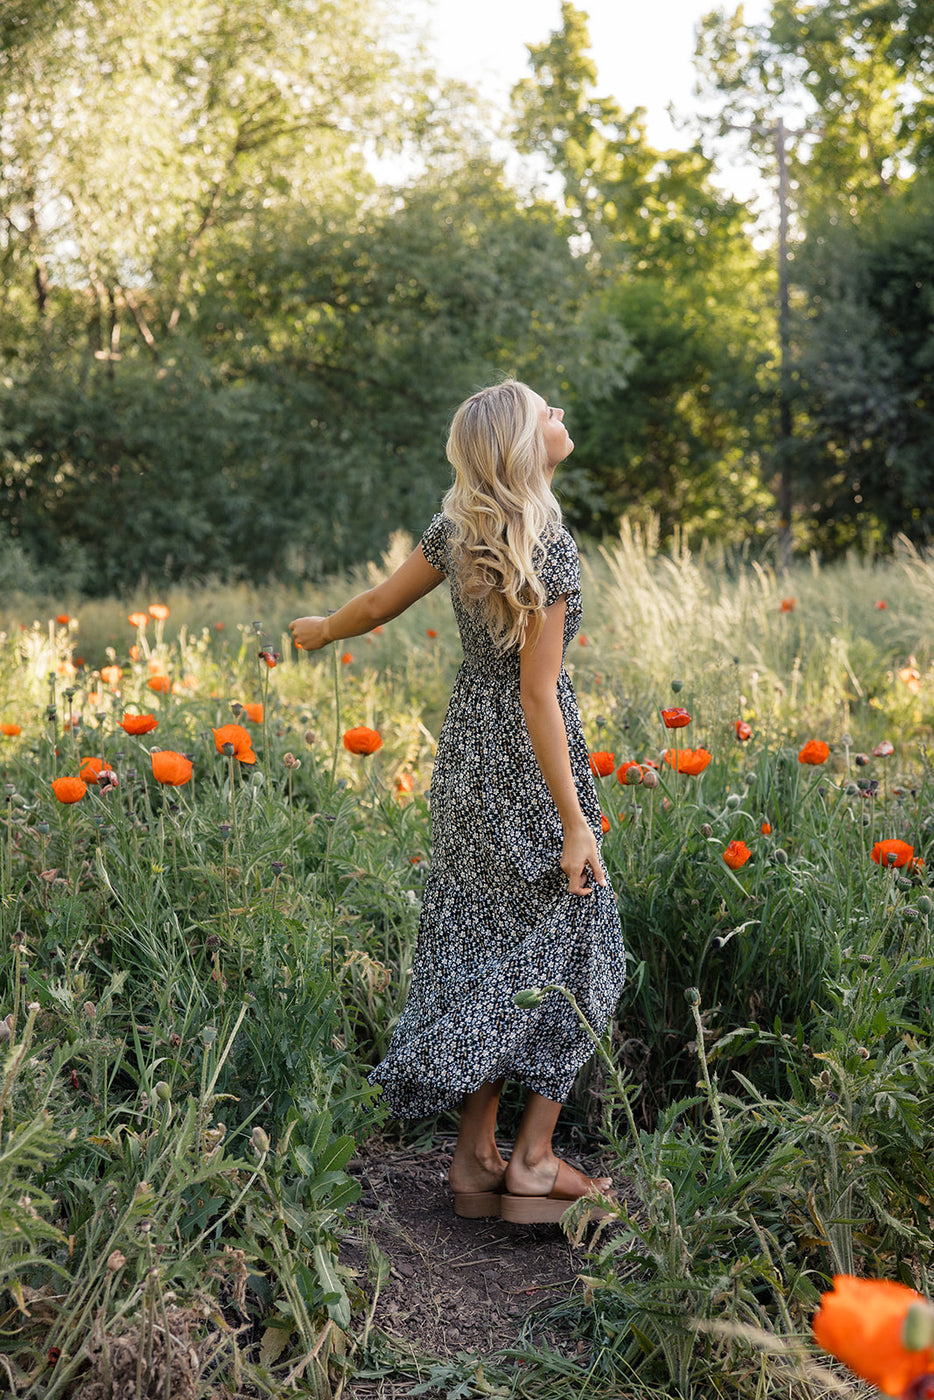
(670, 264)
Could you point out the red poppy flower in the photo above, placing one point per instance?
(882, 604)
(676, 718)
(861, 1324)
(884, 749)
(271, 658)
(69, 789)
(139, 620)
(138, 724)
(431, 632)
(63, 619)
(742, 730)
(736, 854)
(405, 783)
(92, 768)
(814, 752)
(159, 611)
(602, 764)
(10, 730)
(911, 676)
(160, 684)
(690, 761)
(171, 768)
(892, 853)
(253, 711)
(787, 605)
(604, 823)
(242, 742)
(111, 675)
(766, 828)
(362, 740)
(346, 658)
(630, 772)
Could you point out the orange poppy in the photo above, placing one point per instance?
(602, 764)
(160, 684)
(861, 1323)
(10, 730)
(630, 772)
(134, 652)
(378, 630)
(604, 823)
(787, 605)
(911, 676)
(159, 611)
(742, 730)
(69, 789)
(92, 768)
(405, 783)
(814, 752)
(431, 632)
(171, 768)
(111, 675)
(270, 658)
(346, 658)
(676, 718)
(892, 853)
(242, 742)
(690, 761)
(138, 724)
(766, 828)
(362, 740)
(736, 854)
(138, 620)
(882, 604)
(63, 619)
(253, 712)
(582, 640)
(884, 749)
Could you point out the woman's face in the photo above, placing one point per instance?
(558, 444)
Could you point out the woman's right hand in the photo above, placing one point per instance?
(309, 633)
(580, 860)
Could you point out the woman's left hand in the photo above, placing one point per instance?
(309, 633)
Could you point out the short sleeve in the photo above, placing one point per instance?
(561, 570)
(434, 543)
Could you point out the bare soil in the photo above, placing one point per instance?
(455, 1288)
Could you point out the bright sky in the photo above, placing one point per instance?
(643, 49)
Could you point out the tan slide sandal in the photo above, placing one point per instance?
(545, 1210)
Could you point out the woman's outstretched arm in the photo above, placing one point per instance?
(539, 669)
(411, 581)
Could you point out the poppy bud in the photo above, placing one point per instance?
(650, 778)
(115, 1262)
(918, 1327)
(163, 1091)
(733, 800)
(677, 686)
(310, 737)
(781, 857)
(692, 996)
(924, 904)
(209, 1035)
(529, 998)
(706, 830)
(259, 1140)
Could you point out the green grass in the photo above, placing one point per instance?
(195, 980)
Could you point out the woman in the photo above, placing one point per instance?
(517, 895)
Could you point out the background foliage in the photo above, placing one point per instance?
(250, 266)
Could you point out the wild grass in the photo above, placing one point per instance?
(195, 979)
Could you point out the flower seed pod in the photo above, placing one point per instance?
(115, 1261)
(529, 998)
(650, 778)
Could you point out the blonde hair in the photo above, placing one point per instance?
(502, 508)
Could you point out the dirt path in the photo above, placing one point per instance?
(454, 1286)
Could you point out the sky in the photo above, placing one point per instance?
(643, 49)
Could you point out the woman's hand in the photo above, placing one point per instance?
(309, 633)
(580, 860)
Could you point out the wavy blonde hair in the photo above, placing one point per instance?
(502, 508)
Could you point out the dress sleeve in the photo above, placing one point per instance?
(434, 543)
(561, 570)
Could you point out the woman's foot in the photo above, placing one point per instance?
(553, 1179)
(540, 1207)
(478, 1185)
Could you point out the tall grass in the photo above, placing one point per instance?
(195, 980)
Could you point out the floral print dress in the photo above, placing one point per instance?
(496, 914)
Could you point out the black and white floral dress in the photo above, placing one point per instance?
(496, 913)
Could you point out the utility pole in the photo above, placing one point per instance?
(784, 355)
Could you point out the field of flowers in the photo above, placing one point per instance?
(212, 851)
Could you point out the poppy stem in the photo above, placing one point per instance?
(337, 711)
